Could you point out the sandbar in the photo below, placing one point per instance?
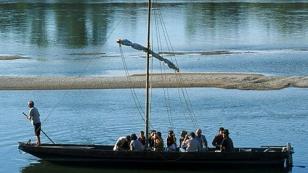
(239, 81)
(11, 57)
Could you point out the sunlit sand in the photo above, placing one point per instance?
(178, 80)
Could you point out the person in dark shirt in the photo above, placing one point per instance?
(122, 144)
(202, 140)
(171, 141)
(142, 138)
(158, 142)
(227, 143)
(218, 138)
(125, 145)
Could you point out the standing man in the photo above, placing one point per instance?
(34, 117)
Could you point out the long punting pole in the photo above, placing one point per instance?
(147, 104)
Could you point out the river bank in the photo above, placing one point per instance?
(213, 80)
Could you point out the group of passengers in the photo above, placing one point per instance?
(188, 142)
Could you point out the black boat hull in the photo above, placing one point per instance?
(104, 156)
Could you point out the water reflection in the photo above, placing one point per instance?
(77, 25)
(47, 167)
(71, 25)
(248, 23)
(39, 27)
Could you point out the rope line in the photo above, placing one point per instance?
(182, 91)
(167, 101)
(133, 92)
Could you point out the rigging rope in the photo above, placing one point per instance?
(135, 98)
(163, 76)
(182, 91)
(133, 92)
(184, 98)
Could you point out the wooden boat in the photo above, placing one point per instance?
(273, 156)
(269, 156)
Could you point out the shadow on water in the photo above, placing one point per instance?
(47, 167)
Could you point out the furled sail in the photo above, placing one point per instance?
(137, 46)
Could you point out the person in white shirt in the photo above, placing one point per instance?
(135, 144)
(191, 143)
(34, 117)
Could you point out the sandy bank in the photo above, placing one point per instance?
(218, 80)
(11, 57)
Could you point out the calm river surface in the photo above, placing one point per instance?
(66, 38)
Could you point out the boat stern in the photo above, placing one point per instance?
(289, 160)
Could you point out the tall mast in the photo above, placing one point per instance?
(147, 103)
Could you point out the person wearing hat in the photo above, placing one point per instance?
(227, 143)
(218, 138)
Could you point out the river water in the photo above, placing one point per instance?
(66, 38)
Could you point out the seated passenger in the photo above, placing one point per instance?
(151, 139)
(202, 140)
(135, 144)
(171, 141)
(158, 142)
(142, 137)
(183, 135)
(218, 138)
(122, 144)
(191, 143)
(227, 143)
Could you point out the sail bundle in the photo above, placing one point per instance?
(137, 46)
